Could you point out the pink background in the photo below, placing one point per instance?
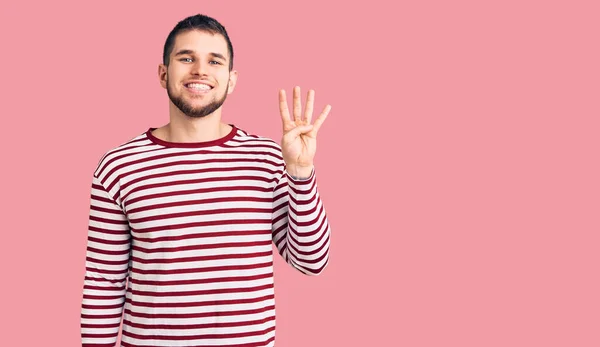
(459, 165)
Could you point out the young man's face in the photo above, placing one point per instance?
(198, 78)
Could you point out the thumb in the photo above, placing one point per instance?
(292, 134)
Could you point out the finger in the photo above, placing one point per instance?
(320, 121)
(283, 108)
(292, 134)
(310, 101)
(297, 106)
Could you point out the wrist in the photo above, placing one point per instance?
(299, 172)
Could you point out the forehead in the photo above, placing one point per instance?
(202, 42)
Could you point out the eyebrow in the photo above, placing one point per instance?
(191, 52)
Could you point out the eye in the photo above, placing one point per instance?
(216, 62)
(190, 59)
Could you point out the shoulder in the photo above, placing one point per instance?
(122, 153)
(245, 139)
(261, 148)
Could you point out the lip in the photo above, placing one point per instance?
(197, 91)
(199, 82)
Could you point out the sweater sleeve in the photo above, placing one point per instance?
(299, 224)
(107, 267)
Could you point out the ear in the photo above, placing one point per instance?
(162, 75)
(233, 75)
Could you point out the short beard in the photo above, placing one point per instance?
(190, 111)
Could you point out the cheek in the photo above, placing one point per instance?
(224, 79)
(170, 83)
(174, 74)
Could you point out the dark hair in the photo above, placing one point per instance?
(197, 22)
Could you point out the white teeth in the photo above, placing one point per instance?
(198, 86)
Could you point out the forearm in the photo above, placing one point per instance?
(308, 228)
(107, 266)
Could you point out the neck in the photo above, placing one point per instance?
(182, 128)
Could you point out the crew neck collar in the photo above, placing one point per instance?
(216, 142)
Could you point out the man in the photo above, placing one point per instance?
(188, 212)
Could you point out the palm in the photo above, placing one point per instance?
(299, 142)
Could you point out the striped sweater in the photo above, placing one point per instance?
(180, 241)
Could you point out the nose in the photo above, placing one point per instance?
(200, 68)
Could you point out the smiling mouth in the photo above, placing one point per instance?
(198, 88)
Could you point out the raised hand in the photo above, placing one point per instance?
(299, 142)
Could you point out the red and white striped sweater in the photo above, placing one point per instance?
(191, 226)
